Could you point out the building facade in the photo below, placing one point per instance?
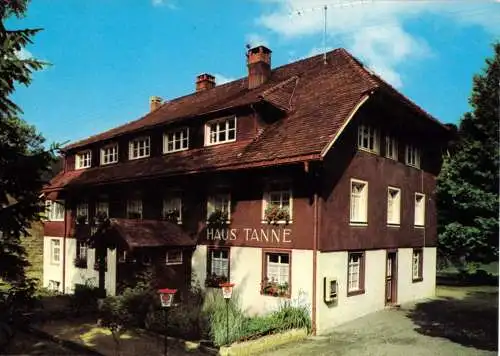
(312, 182)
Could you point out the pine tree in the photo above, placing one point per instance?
(467, 191)
(23, 158)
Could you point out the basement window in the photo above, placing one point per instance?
(220, 131)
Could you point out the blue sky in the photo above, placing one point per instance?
(109, 56)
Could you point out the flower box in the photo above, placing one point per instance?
(275, 289)
(274, 214)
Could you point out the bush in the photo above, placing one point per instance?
(84, 298)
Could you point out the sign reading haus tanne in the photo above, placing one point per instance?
(270, 235)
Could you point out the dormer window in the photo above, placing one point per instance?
(368, 138)
(174, 141)
(412, 156)
(109, 154)
(220, 131)
(83, 159)
(139, 148)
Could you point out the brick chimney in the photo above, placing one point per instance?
(154, 102)
(259, 66)
(205, 81)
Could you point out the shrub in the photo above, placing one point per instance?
(85, 297)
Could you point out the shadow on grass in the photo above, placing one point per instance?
(471, 321)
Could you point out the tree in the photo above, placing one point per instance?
(23, 158)
(467, 190)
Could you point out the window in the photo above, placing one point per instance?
(220, 131)
(368, 138)
(81, 254)
(217, 266)
(134, 209)
(102, 208)
(391, 148)
(276, 278)
(393, 206)
(82, 213)
(54, 210)
(55, 251)
(359, 201)
(83, 159)
(412, 156)
(221, 202)
(417, 264)
(419, 209)
(173, 257)
(356, 273)
(172, 209)
(54, 285)
(277, 204)
(139, 148)
(176, 141)
(109, 154)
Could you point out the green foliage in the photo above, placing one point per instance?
(218, 218)
(467, 190)
(84, 297)
(274, 214)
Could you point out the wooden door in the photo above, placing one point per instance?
(391, 278)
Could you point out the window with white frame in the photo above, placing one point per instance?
(139, 148)
(83, 159)
(419, 209)
(54, 210)
(393, 206)
(219, 202)
(81, 254)
(359, 201)
(391, 147)
(276, 274)
(134, 208)
(55, 251)
(355, 274)
(217, 266)
(412, 155)
(172, 208)
(368, 138)
(417, 264)
(277, 203)
(102, 208)
(220, 131)
(109, 154)
(174, 141)
(82, 213)
(173, 257)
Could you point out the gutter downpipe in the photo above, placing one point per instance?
(64, 249)
(315, 261)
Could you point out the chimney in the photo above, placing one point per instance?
(154, 102)
(259, 66)
(205, 81)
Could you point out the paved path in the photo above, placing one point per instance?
(404, 332)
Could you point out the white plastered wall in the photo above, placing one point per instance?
(246, 273)
(407, 289)
(52, 271)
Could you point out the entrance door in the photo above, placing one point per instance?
(391, 278)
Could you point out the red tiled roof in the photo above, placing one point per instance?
(150, 233)
(317, 99)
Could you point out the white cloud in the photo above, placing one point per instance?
(222, 79)
(254, 39)
(24, 54)
(373, 29)
(167, 3)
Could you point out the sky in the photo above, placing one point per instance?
(109, 56)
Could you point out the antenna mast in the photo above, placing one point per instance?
(325, 8)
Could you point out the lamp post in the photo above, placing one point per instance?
(166, 299)
(227, 292)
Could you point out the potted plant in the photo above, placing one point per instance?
(214, 280)
(274, 214)
(273, 288)
(80, 262)
(218, 218)
(172, 215)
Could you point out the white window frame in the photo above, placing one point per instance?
(170, 261)
(212, 137)
(214, 199)
(134, 205)
(266, 199)
(180, 136)
(412, 156)
(393, 206)
(391, 147)
(83, 159)
(145, 142)
(109, 154)
(361, 217)
(55, 245)
(82, 250)
(371, 135)
(417, 266)
(419, 210)
(55, 210)
(83, 209)
(173, 201)
(280, 266)
(219, 263)
(354, 269)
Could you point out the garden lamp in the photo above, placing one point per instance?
(166, 299)
(227, 292)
